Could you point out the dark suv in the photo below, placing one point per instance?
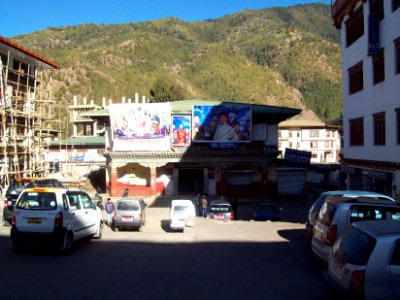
(18, 185)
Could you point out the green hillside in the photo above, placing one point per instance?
(277, 56)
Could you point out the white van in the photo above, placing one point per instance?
(182, 213)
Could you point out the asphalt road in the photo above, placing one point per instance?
(213, 260)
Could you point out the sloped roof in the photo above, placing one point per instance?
(185, 107)
(28, 55)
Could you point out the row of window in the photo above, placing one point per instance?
(379, 122)
(356, 72)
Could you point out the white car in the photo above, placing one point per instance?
(182, 213)
(365, 261)
(56, 217)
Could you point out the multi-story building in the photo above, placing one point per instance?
(370, 40)
(27, 111)
(321, 140)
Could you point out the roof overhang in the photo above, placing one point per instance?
(26, 55)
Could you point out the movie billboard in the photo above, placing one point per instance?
(228, 123)
(142, 127)
(181, 130)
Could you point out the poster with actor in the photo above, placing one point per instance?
(227, 123)
(181, 125)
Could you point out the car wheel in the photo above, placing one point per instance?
(99, 233)
(140, 229)
(113, 228)
(67, 248)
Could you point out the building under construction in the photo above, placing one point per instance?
(27, 111)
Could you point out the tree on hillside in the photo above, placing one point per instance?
(161, 91)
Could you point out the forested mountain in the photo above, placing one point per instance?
(277, 56)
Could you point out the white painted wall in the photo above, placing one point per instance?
(372, 99)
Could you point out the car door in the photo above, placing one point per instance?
(395, 271)
(77, 222)
(91, 217)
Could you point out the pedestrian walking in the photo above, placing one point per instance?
(196, 203)
(204, 205)
(110, 208)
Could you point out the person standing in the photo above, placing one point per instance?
(204, 205)
(196, 203)
(126, 193)
(110, 208)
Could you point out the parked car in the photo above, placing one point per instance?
(18, 185)
(130, 213)
(337, 213)
(365, 261)
(220, 210)
(265, 211)
(182, 213)
(55, 217)
(314, 209)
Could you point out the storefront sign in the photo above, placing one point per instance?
(373, 35)
(297, 156)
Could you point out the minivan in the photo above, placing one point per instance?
(182, 213)
(130, 213)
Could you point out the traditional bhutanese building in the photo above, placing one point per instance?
(370, 41)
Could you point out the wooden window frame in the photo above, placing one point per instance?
(356, 80)
(378, 66)
(355, 26)
(397, 54)
(397, 111)
(379, 129)
(356, 132)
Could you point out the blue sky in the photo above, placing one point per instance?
(24, 16)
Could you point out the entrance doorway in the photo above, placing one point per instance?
(190, 181)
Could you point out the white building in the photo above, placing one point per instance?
(370, 40)
(321, 140)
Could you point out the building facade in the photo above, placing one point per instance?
(190, 146)
(370, 40)
(321, 140)
(27, 111)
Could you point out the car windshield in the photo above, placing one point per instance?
(37, 201)
(128, 205)
(220, 208)
(180, 209)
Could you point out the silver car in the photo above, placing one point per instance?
(130, 213)
(337, 213)
(365, 261)
(220, 210)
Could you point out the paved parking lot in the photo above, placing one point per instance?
(213, 260)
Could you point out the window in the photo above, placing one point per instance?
(398, 124)
(379, 129)
(314, 133)
(378, 67)
(376, 8)
(355, 26)
(356, 74)
(395, 260)
(357, 132)
(397, 55)
(314, 145)
(395, 4)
